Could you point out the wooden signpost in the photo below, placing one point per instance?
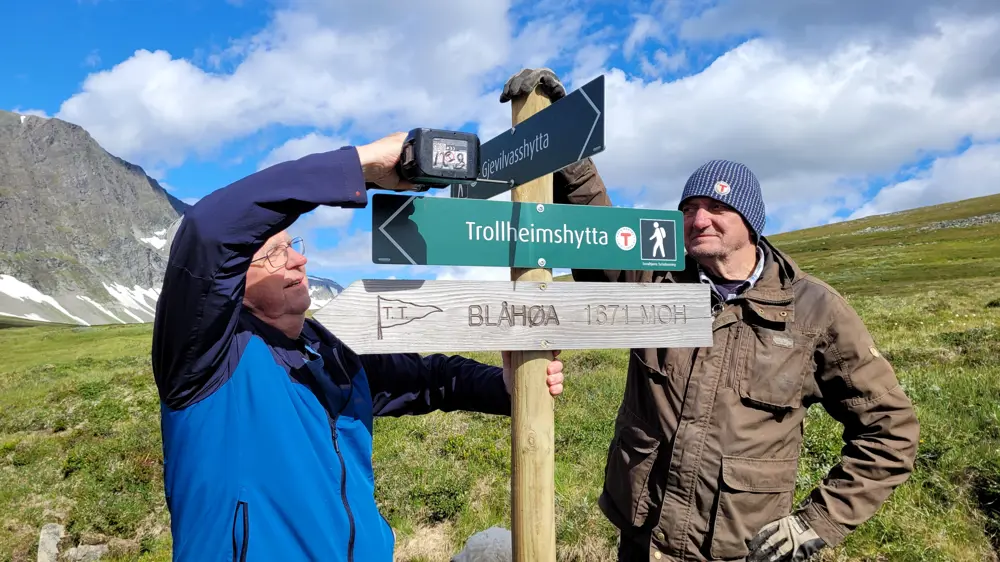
(412, 315)
(532, 466)
(530, 316)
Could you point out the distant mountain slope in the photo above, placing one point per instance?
(322, 291)
(81, 231)
(904, 252)
(901, 252)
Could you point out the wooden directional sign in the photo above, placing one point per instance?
(389, 316)
(569, 130)
(415, 230)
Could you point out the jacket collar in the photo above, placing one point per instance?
(704, 278)
(772, 297)
(312, 344)
(769, 290)
(277, 339)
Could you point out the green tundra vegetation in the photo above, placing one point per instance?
(80, 441)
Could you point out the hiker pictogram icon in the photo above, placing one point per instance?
(657, 239)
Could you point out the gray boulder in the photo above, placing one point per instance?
(492, 545)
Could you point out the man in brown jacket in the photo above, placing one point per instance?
(704, 458)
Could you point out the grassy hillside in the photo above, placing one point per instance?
(12, 322)
(80, 444)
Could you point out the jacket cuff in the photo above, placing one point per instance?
(817, 517)
(354, 179)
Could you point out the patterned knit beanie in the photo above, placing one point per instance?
(733, 184)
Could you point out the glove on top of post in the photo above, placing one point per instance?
(579, 183)
(525, 81)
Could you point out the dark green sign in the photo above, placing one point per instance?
(567, 131)
(418, 230)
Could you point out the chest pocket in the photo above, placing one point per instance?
(776, 362)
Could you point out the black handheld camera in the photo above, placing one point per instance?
(437, 158)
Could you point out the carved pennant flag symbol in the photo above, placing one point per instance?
(395, 312)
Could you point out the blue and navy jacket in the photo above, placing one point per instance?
(267, 441)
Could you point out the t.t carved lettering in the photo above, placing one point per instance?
(399, 316)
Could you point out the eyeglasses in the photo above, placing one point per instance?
(277, 256)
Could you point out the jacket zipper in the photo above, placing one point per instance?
(734, 354)
(343, 493)
(343, 465)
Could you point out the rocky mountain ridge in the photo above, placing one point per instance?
(83, 233)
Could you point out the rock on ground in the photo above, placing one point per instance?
(48, 542)
(48, 547)
(86, 553)
(492, 545)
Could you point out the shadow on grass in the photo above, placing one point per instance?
(986, 487)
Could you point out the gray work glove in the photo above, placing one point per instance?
(524, 83)
(789, 539)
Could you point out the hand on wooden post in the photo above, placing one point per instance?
(553, 373)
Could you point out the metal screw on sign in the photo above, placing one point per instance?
(541, 262)
(540, 208)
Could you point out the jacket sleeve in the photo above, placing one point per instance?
(859, 389)
(408, 384)
(202, 293)
(581, 184)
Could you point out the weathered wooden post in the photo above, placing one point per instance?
(532, 499)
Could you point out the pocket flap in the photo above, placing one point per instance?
(634, 438)
(759, 475)
(635, 434)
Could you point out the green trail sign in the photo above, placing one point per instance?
(416, 230)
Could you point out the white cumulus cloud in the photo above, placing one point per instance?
(823, 99)
(972, 173)
(343, 64)
(812, 128)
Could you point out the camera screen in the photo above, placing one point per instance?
(450, 154)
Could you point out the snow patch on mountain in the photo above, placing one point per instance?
(30, 316)
(100, 307)
(322, 291)
(155, 241)
(13, 288)
(135, 300)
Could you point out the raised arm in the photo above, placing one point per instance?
(409, 384)
(202, 293)
(580, 184)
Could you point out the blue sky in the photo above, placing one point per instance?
(868, 114)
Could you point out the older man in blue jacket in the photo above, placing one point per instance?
(266, 416)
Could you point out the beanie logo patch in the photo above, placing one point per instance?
(722, 188)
